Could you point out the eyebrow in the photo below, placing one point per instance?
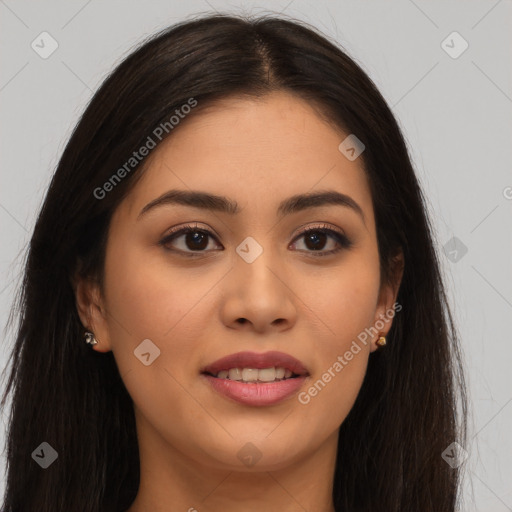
(223, 204)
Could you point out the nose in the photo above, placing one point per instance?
(259, 297)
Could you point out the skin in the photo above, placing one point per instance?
(257, 152)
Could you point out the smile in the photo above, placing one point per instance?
(255, 374)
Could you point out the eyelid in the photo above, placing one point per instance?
(318, 226)
(190, 226)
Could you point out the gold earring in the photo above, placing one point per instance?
(89, 338)
(381, 342)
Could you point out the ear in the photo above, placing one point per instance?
(385, 311)
(92, 311)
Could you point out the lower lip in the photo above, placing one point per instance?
(259, 393)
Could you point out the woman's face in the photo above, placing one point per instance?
(247, 281)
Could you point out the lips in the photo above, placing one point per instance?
(258, 361)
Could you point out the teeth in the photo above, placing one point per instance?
(267, 374)
(255, 374)
(234, 374)
(250, 374)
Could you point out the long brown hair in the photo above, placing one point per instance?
(412, 403)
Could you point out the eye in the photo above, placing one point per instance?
(315, 239)
(193, 239)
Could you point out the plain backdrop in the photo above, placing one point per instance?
(455, 110)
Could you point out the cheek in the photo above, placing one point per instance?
(345, 307)
(343, 300)
(151, 300)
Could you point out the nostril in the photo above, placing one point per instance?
(242, 320)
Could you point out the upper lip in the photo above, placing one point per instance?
(257, 360)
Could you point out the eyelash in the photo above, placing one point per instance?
(343, 241)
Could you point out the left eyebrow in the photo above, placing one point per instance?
(223, 204)
(313, 200)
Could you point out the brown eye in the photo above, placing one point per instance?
(316, 240)
(188, 239)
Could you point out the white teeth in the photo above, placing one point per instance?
(250, 374)
(255, 374)
(234, 374)
(267, 374)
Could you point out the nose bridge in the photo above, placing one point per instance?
(258, 290)
(256, 263)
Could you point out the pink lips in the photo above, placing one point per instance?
(256, 393)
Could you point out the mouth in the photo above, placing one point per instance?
(256, 367)
(256, 379)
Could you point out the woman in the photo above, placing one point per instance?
(232, 298)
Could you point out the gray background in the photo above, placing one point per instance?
(455, 112)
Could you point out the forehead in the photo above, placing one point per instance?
(256, 151)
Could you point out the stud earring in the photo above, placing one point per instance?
(381, 342)
(89, 338)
